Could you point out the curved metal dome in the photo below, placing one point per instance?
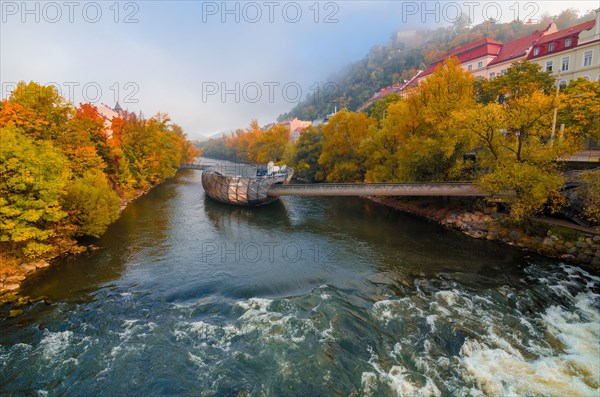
(241, 190)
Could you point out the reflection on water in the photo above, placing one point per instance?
(228, 218)
(121, 244)
(305, 297)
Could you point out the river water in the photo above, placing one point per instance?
(304, 297)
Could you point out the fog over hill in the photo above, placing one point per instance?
(408, 51)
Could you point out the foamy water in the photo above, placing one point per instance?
(429, 343)
(558, 356)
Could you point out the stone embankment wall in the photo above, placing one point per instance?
(571, 246)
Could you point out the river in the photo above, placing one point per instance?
(303, 297)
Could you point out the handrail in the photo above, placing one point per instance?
(379, 189)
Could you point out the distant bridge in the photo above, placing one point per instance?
(378, 189)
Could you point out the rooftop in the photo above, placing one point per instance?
(518, 48)
(573, 30)
(468, 52)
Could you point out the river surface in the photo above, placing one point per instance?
(304, 297)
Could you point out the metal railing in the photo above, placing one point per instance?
(379, 189)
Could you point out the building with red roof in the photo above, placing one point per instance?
(398, 88)
(108, 115)
(570, 53)
(474, 56)
(516, 50)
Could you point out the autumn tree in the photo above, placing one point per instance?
(188, 152)
(150, 149)
(581, 111)
(47, 112)
(430, 145)
(306, 155)
(591, 195)
(341, 157)
(383, 148)
(239, 142)
(60, 173)
(81, 139)
(33, 179)
(91, 203)
(15, 115)
(531, 185)
(521, 79)
(378, 109)
(518, 150)
(269, 145)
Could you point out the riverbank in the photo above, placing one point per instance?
(580, 247)
(14, 271)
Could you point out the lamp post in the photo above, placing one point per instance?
(556, 106)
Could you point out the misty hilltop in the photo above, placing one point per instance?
(408, 51)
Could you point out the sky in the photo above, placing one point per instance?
(213, 66)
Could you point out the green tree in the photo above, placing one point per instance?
(33, 179)
(92, 204)
(527, 186)
(521, 79)
(215, 148)
(306, 155)
(378, 109)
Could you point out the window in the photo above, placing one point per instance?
(587, 58)
(480, 64)
(492, 75)
(549, 65)
(587, 78)
(565, 64)
(536, 51)
(563, 84)
(568, 43)
(551, 47)
(470, 67)
(503, 71)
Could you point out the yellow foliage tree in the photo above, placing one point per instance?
(342, 137)
(269, 145)
(517, 152)
(420, 140)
